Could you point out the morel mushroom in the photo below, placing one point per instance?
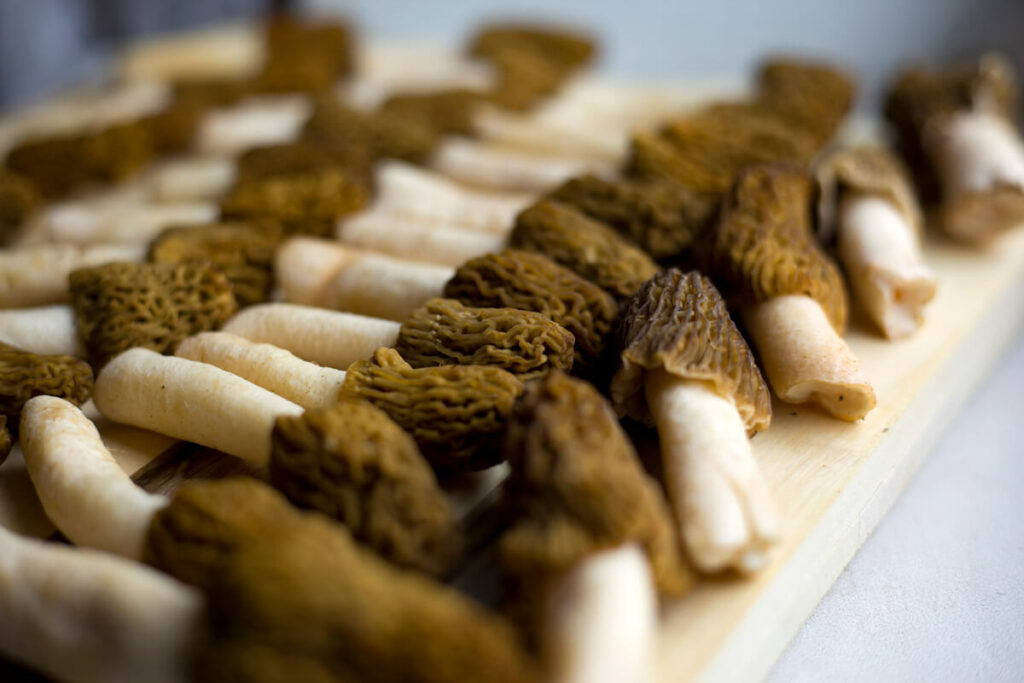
(300, 158)
(456, 413)
(351, 462)
(444, 332)
(243, 253)
(19, 199)
(448, 111)
(592, 536)
(588, 248)
(303, 204)
(958, 130)
(385, 134)
(38, 275)
(667, 220)
(811, 97)
(119, 306)
(686, 368)
(533, 282)
(24, 374)
(790, 295)
(867, 194)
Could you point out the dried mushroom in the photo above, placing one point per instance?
(19, 199)
(243, 253)
(764, 246)
(593, 532)
(174, 128)
(119, 306)
(456, 413)
(789, 294)
(300, 158)
(385, 134)
(868, 201)
(449, 111)
(303, 204)
(810, 96)
(958, 130)
(5, 439)
(667, 220)
(116, 152)
(532, 282)
(585, 246)
(685, 367)
(291, 597)
(54, 166)
(24, 374)
(444, 332)
(304, 56)
(354, 464)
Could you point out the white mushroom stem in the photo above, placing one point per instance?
(404, 237)
(38, 275)
(725, 512)
(273, 368)
(431, 198)
(84, 491)
(82, 615)
(497, 168)
(881, 252)
(565, 131)
(255, 122)
(601, 620)
(976, 151)
(193, 179)
(305, 266)
(191, 401)
(130, 222)
(44, 330)
(805, 359)
(328, 338)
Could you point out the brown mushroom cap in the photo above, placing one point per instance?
(867, 170)
(385, 134)
(810, 96)
(763, 246)
(19, 199)
(291, 597)
(289, 40)
(533, 282)
(454, 412)
(578, 488)
(564, 48)
(24, 374)
(444, 332)
(301, 158)
(119, 306)
(243, 253)
(5, 439)
(303, 204)
(448, 111)
(354, 464)
(588, 248)
(679, 322)
(665, 219)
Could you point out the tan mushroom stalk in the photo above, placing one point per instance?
(868, 196)
(408, 239)
(958, 129)
(192, 179)
(130, 221)
(350, 461)
(686, 368)
(255, 122)
(593, 540)
(90, 616)
(38, 275)
(191, 401)
(790, 295)
(43, 329)
(329, 338)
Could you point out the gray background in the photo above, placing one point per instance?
(937, 593)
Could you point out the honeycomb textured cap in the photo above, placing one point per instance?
(24, 374)
(678, 322)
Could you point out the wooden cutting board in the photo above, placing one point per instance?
(834, 481)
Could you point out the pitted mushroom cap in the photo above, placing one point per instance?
(867, 170)
(813, 97)
(456, 413)
(18, 200)
(353, 463)
(24, 374)
(384, 134)
(448, 111)
(444, 332)
(243, 252)
(588, 248)
(763, 246)
(652, 158)
(678, 322)
(520, 279)
(303, 157)
(119, 306)
(563, 49)
(665, 219)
